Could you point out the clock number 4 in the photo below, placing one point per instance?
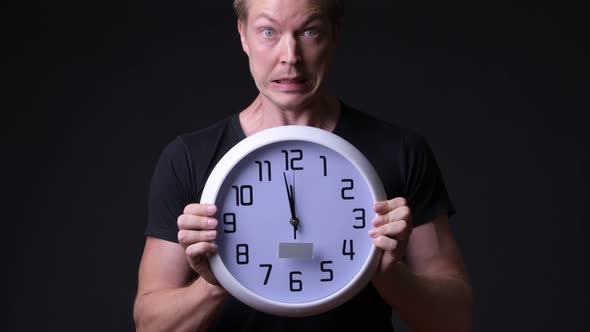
(244, 195)
(290, 162)
(348, 250)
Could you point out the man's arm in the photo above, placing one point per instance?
(432, 292)
(167, 297)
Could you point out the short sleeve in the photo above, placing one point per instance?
(424, 187)
(170, 191)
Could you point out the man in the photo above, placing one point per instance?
(289, 44)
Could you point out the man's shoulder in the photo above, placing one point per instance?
(213, 132)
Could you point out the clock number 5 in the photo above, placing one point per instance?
(290, 162)
(244, 195)
(327, 270)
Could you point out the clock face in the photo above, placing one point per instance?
(293, 222)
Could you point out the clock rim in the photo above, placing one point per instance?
(281, 134)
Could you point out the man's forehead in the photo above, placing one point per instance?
(286, 9)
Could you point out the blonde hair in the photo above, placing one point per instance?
(334, 8)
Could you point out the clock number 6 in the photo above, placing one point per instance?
(295, 285)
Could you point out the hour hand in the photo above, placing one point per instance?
(294, 221)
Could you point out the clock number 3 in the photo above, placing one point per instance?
(361, 218)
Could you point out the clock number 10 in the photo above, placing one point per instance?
(244, 195)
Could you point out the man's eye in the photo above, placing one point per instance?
(268, 32)
(310, 32)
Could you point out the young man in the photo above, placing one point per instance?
(289, 44)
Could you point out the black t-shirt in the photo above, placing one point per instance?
(401, 157)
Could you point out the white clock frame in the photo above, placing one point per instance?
(293, 133)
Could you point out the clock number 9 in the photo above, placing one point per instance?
(242, 256)
(244, 195)
(231, 222)
(295, 285)
(344, 189)
(291, 162)
(361, 218)
(347, 252)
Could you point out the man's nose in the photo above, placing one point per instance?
(290, 52)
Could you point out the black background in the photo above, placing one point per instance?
(498, 88)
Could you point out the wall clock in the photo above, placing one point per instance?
(294, 208)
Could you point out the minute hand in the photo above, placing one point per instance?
(294, 221)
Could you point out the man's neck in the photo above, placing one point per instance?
(262, 115)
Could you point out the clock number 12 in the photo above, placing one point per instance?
(290, 162)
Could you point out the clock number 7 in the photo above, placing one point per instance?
(268, 269)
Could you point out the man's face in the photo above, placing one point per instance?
(289, 46)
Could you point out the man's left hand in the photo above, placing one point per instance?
(393, 225)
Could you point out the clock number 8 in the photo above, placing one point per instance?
(295, 285)
(242, 256)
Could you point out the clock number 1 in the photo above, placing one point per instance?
(346, 251)
(325, 162)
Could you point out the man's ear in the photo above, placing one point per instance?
(242, 31)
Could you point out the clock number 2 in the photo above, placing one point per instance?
(244, 195)
(344, 189)
(348, 252)
(290, 162)
(295, 285)
(242, 256)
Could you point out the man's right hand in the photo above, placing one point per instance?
(196, 231)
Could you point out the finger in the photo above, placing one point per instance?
(400, 213)
(190, 221)
(198, 209)
(198, 250)
(187, 238)
(394, 229)
(383, 207)
(385, 243)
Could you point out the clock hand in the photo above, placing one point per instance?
(294, 221)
